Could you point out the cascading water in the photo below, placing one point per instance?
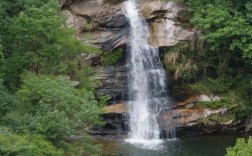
(146, 80)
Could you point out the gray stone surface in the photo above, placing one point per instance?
(114, 82)
(167, 22)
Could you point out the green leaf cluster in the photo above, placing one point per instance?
(223, 65)
(46, 94)
(25, 144)
(111, 57)
(242, 147)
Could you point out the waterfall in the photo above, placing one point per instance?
(146, 80)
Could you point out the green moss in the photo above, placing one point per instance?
(210, 104)
(90, 26)
(218, 119)
(111, 57)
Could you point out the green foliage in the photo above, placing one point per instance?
(83, 74)
(216, 119)
(51, 106)
(7, 102)
(84, 147)
(231, 31)
(234, 94)
(181, 60)
(225, 24)
(242, 147)
(2, 62)
(111, 58)
(103, 99)
(41, 108)
(41, 44)
(225, 62)
(209, 85)
(57, 106)
(211, 104)
(25, 144)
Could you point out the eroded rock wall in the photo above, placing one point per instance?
(168, 22)
(103, 24)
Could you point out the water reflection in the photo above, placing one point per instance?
(196, 146)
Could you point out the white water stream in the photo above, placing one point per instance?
(146, 81)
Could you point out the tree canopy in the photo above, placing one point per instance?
(45, 97)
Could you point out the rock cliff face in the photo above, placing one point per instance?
(103, 24)
(168, 22)
(185, 118)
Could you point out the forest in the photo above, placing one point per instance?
(224, 65)
(47, 94)
(45, 98)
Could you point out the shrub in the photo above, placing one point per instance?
(25, 144)
(242, 148)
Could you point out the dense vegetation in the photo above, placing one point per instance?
(223, 65)
(45, 97)
(242, 147)
(221, 62)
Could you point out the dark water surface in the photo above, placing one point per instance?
(195, 146)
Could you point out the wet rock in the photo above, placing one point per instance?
(114, 82)
(116, 118)
(168, 25)
(181, 120)
(111, 39)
